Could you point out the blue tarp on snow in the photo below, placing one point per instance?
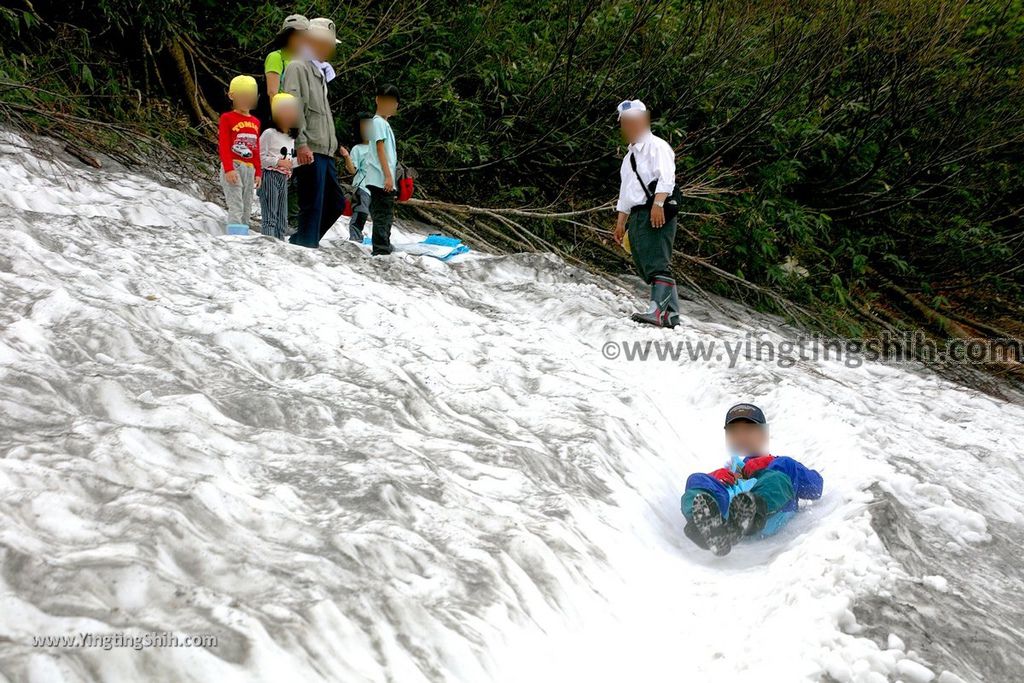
(439, 246)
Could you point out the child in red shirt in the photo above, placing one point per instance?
(239, 149)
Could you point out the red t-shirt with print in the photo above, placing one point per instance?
(239, 140)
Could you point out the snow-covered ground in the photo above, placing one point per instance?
(355, 469)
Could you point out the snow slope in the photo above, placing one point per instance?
(356, 469)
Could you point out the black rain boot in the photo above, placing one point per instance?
(691, 533)
(747, 514)
(709, 525)
(664, 310)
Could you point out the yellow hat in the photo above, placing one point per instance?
(242, 84)
(282, 99)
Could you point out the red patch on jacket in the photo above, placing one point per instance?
(724, 475)
(754, 465)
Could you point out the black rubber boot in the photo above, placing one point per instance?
(747, 514)
(664, 310)
(691, 533)
(709, 525)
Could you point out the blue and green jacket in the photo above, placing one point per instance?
(780, 481)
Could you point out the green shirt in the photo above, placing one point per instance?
(381, 130)
(359, 156)
(276, 62)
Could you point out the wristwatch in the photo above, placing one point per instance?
(660, 204)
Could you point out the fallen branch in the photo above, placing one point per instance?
(523, 213)
(82, 156)
(930, 315)
(951, 327)
(526, 240)
(794, 311)
(996, 332)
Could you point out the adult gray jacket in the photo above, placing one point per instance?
(305, 81)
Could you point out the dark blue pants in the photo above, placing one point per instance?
(321, 200)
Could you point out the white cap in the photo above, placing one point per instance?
(296, 22)
(631, 108)
(322, 28)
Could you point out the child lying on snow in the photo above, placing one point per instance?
(756, 494)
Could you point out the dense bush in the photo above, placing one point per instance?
(831, 150)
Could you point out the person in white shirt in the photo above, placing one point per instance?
(277, 157)
(647, 182)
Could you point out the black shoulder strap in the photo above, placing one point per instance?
(632, 163)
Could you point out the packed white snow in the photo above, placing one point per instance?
(398, 469)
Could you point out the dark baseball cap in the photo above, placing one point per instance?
(745, 412)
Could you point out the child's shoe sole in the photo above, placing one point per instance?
(747, 514)
(708, 521)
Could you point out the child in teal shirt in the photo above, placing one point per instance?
(381, 170)
(356, 162)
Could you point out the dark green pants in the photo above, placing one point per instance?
(382, 212)
(651, 247)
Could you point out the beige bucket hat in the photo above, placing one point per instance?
(322, 28)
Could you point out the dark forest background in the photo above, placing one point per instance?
(854, 164)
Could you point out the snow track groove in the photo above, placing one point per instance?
(355, 469)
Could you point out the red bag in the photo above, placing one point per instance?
(405, 182)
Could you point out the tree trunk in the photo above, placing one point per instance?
(198, 107)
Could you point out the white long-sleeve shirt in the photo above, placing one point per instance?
(274, 146)
(655, 160)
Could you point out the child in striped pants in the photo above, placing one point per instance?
(277, 155)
